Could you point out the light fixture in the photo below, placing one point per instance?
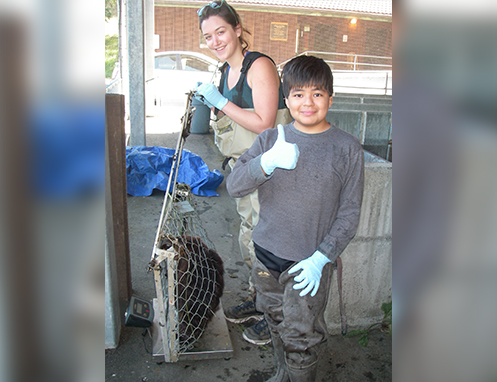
(353, 21)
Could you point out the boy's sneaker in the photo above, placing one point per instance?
(243, 312)
(258, 334)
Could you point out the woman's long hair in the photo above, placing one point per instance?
(228, 14)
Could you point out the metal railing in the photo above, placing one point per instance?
(348, 61)
(356, 73)
(377, 82)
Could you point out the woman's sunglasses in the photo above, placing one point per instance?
(216, 5)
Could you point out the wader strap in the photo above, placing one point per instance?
(225, 162)
(249, 58)
(339, 266)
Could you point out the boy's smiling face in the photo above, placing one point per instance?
(309, 106)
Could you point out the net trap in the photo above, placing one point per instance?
(188, 318)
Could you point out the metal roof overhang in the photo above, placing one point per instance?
(279, 9)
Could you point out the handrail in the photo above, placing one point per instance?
(356, 69)
(307, 52)
(370, 82)
(354, 64)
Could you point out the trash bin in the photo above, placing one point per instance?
(201, 118)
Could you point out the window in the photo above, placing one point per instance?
(165, 62)
(190, 63)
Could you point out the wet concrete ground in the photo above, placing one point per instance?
(342, 359)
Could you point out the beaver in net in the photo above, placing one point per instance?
(199, 285)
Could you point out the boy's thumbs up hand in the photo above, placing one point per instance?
(282, 154)
(281, 133)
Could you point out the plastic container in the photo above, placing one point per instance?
(201, 118)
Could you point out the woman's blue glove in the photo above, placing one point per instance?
(282, 154)
(310, 276)
(211, 96)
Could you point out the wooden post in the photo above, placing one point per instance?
(116, 195)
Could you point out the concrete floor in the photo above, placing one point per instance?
(342, 358)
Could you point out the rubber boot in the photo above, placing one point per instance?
(303, 374)
(302, 366)
(279, 360)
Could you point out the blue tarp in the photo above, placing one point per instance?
(148, 167)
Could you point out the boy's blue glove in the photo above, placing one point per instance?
(310, 276)
(282, 154)
(211, 96)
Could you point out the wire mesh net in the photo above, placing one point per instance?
(191, 275)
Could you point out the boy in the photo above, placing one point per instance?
(309, 176)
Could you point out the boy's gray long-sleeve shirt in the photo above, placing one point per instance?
(317, 205)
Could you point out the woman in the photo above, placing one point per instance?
(248, 101)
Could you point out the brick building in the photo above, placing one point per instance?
(284, 28)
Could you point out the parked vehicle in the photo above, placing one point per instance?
(177, 72)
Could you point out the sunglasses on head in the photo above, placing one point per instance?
(216, 5)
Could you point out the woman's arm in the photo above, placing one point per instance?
(263, 78)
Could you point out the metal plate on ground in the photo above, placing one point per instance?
(215, 342)
(183, 207)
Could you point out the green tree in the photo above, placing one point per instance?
(111, 54)
(110, 9)
(111, 42)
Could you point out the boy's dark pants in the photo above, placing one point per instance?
(297, 321)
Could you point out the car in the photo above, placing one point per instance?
(178, 72)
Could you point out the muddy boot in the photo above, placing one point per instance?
(301, 367)
(279, 360)
(303, 374)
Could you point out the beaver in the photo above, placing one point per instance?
(199, 285)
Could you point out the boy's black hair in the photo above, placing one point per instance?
(304, 71)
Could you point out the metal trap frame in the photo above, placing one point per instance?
(185, 325)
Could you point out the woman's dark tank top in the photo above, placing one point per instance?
(246, 90)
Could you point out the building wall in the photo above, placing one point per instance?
(179, 30)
